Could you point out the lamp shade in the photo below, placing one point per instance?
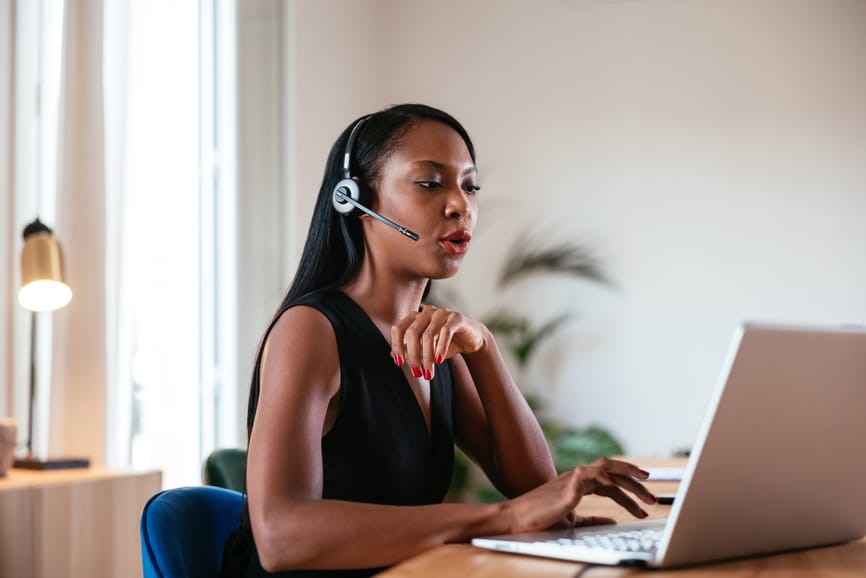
(42, 283)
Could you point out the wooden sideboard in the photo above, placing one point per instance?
(72, 523)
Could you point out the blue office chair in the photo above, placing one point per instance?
(183, 531)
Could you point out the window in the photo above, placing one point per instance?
(171, 113)
(168, 84)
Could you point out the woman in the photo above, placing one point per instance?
(359, 392)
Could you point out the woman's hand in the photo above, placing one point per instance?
(428, 337)
(552, 504)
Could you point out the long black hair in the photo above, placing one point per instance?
(334, 249)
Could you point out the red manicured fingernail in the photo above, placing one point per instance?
(438, 359)
(416, 371)
(427, 375)
(644, 472)
(399, 361)
(643, 513)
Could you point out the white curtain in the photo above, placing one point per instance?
(30, 36)
(119, 395)
(79, 377)
(6, 211)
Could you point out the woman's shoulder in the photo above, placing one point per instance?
(322, 318)
(305, 318)
(299, 361)
(301, 336)
(327, 301)
(316, 315)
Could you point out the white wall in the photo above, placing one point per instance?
(712, 152)
(335, 73)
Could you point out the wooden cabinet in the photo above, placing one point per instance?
(72, 523)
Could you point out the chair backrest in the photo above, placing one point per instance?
(224, 468)
(183, 531)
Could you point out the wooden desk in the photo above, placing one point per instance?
(72, 523)
(466, 561)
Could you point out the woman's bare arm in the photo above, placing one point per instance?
(295, 528)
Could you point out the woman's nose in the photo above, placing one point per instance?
(458, 205)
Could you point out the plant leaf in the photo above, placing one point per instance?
(531, 339)
(571, 447)
(568, 258)
(506, 323)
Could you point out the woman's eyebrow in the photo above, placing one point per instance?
(442, 166)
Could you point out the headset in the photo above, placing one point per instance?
(347, 194)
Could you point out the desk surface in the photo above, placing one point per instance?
(466, 561)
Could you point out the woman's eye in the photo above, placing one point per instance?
(429, 184)
(471, 189)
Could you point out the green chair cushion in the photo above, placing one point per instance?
(225, 467)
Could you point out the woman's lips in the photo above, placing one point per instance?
(456, 243)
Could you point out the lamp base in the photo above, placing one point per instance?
(31, 463)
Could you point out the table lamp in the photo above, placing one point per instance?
(42, 289)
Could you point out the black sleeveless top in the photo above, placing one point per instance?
(378, 450)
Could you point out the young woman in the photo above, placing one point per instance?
(360, 392)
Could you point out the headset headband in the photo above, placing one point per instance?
(347, 174)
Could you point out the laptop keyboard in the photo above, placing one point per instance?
(644, 540)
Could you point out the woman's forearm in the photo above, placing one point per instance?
(522, 459)
(332, 534)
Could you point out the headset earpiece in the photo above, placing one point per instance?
(348, 188)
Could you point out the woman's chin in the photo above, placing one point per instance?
(443, 272)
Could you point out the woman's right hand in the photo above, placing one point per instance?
(553, 503)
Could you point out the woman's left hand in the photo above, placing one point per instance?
(426, 338)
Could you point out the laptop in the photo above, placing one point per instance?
(778, 465)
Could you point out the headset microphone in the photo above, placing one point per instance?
(347, 194)
(341, 197)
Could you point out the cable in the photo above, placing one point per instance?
(583, 570)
